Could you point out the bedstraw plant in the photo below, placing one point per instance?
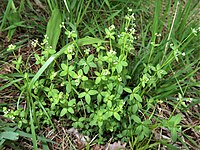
(113, 75)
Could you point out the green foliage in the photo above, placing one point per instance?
(107, 80)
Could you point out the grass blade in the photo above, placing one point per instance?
(34, 138)
(53, 28)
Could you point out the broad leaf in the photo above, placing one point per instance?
(9, 135)
(53, 28)
(136, 118)
(63, 112)
(70, 110)
(117, 116)
(138, 97)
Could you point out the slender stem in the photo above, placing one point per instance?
(170, 32)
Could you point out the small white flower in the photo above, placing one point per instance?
(46, 37)
(130, 10)
(87, 51)
(115, 62)
(127, 17)
(119, 79)
(12, 118)
(158, 34)
(62, 84)
(34, 43)
(112, 52)
(62, 25)
(194, 31)
(189, 99)
(183, 54)
(6, 112)
(133, 16)
(11, 47)
(77, 82)
(132, 29)
(111, 27)
(105, 72)
(60, 95)
(70, 48)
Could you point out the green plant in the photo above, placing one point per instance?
(172, 124)
(111, 85)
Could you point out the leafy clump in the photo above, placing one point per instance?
(118, 83)
(92, 90)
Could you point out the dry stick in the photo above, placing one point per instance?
(170, 32)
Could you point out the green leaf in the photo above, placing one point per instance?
(9, 135)
(53, 28)
(141, 136)
(71, 102)
(108, 115)
(146, 130)
(63, 73)
(82, 62)
(135, 108)
(90, 58)
(110, 86)
(117, 116)
(109, 104)
(136, 118)
(138, 130)
(93, 92)
(88, 40)
(81, 95)
(92, 64)
(87, 98)
(64, 66)
(128, 90)
(124, 63)
(131, 96)
(86, 69)
(119, 68)
(107, 3)
(99, 98)
(70, 110)
(69, 56)
(34, 137)
(177, 119)
(84, 78)
(73, 74)
(80, 72)
(174, 134)
(97, 73)
(107, 31)
(98, 79)
(163, 72)
(68, 87)
(120, 89)
(63, 112)
(138, 97)
(159, 75)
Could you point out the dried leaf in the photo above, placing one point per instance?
(116, 146)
